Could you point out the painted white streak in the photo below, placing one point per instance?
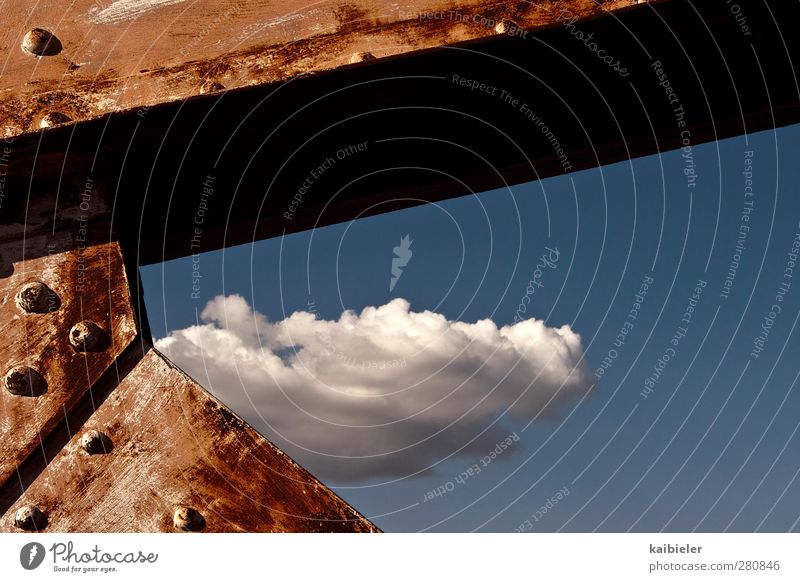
(127, 10)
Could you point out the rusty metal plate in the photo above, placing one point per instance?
(168, 444)
(114, 55)
(81, 284)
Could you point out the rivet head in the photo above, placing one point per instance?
(361, 57)
(53, 119)
(41, 43)
(95, 442)
(30, 519)
(188, 519)
(33, 297)
(24, 381)
(211, 87)
(509, 27)
(86, 336)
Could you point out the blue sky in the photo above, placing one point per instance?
(713, 445)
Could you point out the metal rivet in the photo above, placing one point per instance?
(95, 442)
(188, 519)
(508, 27)
(30, 519)
(211, 87)
(33, 297)
(41, 43)
(86, 336)
(361, 57)
(24, 381)
(52, 119)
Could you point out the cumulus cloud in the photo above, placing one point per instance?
(387, 392)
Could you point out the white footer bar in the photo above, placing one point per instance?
(401, 557)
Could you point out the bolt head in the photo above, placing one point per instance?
(30, 518)
(361, 57)
(24, 381)
(33, 297)
(211, 87)
(86, 336)
(508, 27)
(52, 119)
(188, 519)
(95, 442)
(41, 43)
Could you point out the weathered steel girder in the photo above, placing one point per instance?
(48, 301)
(112, 56)
(427, 137)
(164, 447)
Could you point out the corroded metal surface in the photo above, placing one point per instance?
(176, 458)
(82, 284)
(115, 55)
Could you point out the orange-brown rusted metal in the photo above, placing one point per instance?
(80, 284)
(171, 445)
(116, 54)
(429, 137)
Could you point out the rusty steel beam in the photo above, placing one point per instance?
(65, 317)
(161, 454)
(72, 63)
(245, 158)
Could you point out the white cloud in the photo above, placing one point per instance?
(388, 392)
